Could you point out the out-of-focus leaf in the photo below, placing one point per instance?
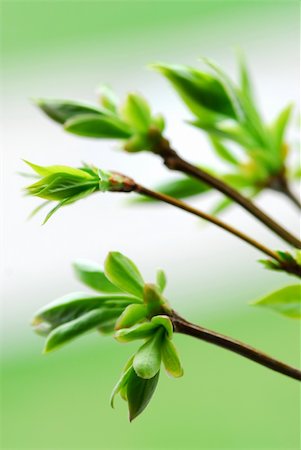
(183, 187)
(161, 279)
(92, 275)
(286, 301)
(280, 125)
(95, 126)
(136, 112)
(108, 99)
(221, 206)
(223, 151)
(123, 273)
(203, 94)
(171, 359)
(73, 305)
(63, 110)
(139, 393)
(245, 81)
(75, 328)
(130, 316)
(147, 360)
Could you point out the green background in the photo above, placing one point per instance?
(65, 48)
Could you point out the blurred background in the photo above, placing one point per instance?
(64, 49)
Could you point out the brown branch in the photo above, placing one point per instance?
(184, 206)
(174, 162)
(184, 327)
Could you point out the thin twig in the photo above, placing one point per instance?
(184, 327)
(174, 162)
(184, 206)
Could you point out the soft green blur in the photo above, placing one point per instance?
(61, 401)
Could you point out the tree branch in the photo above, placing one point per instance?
(174, 162)
(184, 327)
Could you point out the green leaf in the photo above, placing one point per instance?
(245, 81)
(122, 382)
(223, 152)
(280, 125)
(161, 279)
(139, 331)
(92, 125)
(204, 95)
(130, 316)
(92, 275)
(75, 328)
(139, 393)
(165, 322)
(136, 112)
(123, 273)
(286, 301)
(73, 305)
(171, 359)
(108, 98)
(63, 110)
(62, 186)
(153, 299)
(221, 206)
(183, 187)
(147, 360)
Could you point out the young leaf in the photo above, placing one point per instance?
(71, 330)
(92, 275)
(165, 322)
(286, 301)
(123, 273)
(204, 95)
(139, 393)
(95, 126)
(130, 316)
(73, 305)
(161, 280)
(223, 151)
(183, 187)
(136, 112)
(139, 331)
(153, 299)
(147, 360)
(108, 98)
(63, 110)
(122, 382)
(279, 127)
(171, 359)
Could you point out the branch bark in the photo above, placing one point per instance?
(174, 162)
(184, 327)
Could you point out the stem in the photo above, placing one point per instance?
(174, 162)
(289, 194)
(184, 327)
(184, 206)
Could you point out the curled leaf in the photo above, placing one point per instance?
(139, 393)
(171, 359)
(147, 360)
(130, 316)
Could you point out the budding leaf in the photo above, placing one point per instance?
(95, 126)
(108, 98)
(136, 112)
(204, 95)
(161, 280)
(171, 359)
(286, 301)
(147, 360)
(73, 305)
(139, 331)
(122, 382)
(92, 275)
(130, 316)
(123, 273)
(75, 328)
(63, 110)
(139, 393)
(165, 322)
